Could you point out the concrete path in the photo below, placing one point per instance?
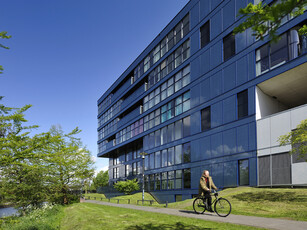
(261, 222)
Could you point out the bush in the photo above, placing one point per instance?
(127, 187)
(47, 217)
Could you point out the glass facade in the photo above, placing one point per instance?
(190, 110)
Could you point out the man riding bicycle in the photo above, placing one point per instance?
(205, 186)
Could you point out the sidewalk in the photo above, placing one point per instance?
(262, 222)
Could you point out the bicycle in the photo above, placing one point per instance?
(222, 206)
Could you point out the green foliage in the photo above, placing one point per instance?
(47, 217)
(101, 180)
(44, 167)
(3, 35)
(263, 19)
(297, 138)
(20, 164)
(127, 187)
(69, 162)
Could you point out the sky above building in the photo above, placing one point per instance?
(64, 54)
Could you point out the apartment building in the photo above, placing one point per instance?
(199, 97)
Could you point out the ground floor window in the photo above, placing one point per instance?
(243, 172)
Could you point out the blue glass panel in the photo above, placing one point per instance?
(217, 145)
(241, 41)
(229, 140)
(228, 14)
(242, 70)
(205, 62)
(229, 109)
(205, 146)
(252, 136)
(216, 24)
(216, 54)
(229, 77)
(242, 138)
(195, 68)
(195, 15)
(195, 177)
(253, 171)
(217, 174)
(216, 84)
(205, 90)
(216, 114)
(195, 150)
(204, 8)
(230, 174)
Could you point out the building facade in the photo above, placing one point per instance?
(199, 97)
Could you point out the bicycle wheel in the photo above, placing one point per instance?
(199, 206)
(222, 207)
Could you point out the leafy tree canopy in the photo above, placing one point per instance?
(263, 18)
(297, 138)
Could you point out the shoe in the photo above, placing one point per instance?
(210, 209)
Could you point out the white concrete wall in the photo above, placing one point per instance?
(266, 105)
(271, 127)
(299, 172)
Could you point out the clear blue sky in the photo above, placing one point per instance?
(64, 54)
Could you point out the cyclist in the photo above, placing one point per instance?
(205, 186)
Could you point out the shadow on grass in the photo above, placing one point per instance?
(175, 226)
(270, 196)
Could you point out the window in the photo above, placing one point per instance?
(152, 161)
(171, 156)
(151, 182)
(158, 183)
(178, 154)
(186, 152)
(164, 157)
(186, 126)
(178, 180)
(206, 119)
(157, 160)
(178, 131)
(243, 172)
(242, 100)
(272, 55)
(229, 45)
(205, 34)
(127, 170)
(134, 169)
(164, 180)
(171, 176)
(187, 178)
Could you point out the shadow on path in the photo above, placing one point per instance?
(175, 226)
(192, 212)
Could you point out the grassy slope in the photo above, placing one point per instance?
(266, 202)
(133, 198)
(93, 216)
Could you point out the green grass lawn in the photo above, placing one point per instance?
(266, 202)
(94, 216)
(276, 202)
(124, 199)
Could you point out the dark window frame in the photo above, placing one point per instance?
(229, 46)
(204, 34)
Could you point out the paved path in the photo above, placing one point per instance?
(262, 222)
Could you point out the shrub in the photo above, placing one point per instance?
(47, 217)
(127, 187)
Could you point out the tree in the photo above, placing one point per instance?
(3, 35)
(297, 138)
(101, 180)
(69, 162)
(20, 165)
(263, 19)
(127, 187)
